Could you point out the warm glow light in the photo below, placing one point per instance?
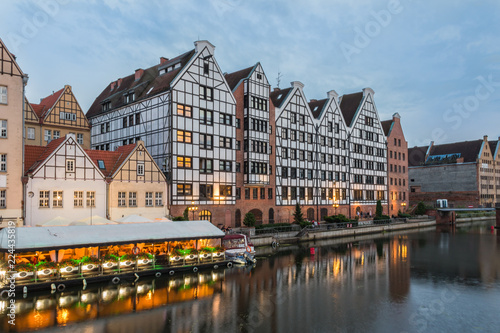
(62, 316)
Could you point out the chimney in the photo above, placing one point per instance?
(297, 84)
(119, 82)
(202, 44)
(313, 100)
(332, 94)
(485, 138)
(396, 117)
(138, 73)
(366, 91)
(278, 89)
(113, 84)
(163, 60)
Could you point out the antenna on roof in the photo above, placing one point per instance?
(278, 79)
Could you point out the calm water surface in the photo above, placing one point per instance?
(445, 280)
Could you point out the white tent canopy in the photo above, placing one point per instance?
(93, 220)
(56, 221)
(133, 218)
(30, 239)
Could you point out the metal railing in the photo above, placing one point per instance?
(274, 230)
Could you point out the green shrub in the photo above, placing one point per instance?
(421, 209)
(276, 225)
(178, 218)
(337, 218)
(249, 220)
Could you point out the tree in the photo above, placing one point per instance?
(420, 209)
(249, 220)
(379, 210)
(298, 218)
(185, 215)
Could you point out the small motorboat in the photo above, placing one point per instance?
(238, 249)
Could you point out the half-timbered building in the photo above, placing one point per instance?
(55, 116)
(368, 149)
(62, 180)
(184, 112)
(12, 87)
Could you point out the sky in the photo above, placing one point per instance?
(435, 63)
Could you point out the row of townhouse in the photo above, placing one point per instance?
(47, 169)
(229, 145)
(465, 173)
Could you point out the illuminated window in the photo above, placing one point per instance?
(184, 189)
(225, 191)
(57, 199)
(206, 215)
(44, 198)
(184, 110)
(184, 162)
(184, 136)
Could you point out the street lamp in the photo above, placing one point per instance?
(404, 206)
(335, 205)
(193, 208)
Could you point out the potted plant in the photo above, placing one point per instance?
(127, 260)
(206, 253)
(45, 269)
(24, 270)
(110, 261)
(144, 258)
(191, 254)
(89, 263)
(68, 266)
(219, 252)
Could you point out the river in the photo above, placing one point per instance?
(432, 280)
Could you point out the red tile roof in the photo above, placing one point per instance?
(34, 155)
(112, 159)
(46, 104)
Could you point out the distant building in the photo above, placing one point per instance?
(56, 115)
(397, 162)
(465, 173)
(12, 88)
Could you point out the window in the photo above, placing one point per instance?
(358, 195)
(3, 199)
(370, 179)
(57, 134)
(269, 193)
(3, 162)
(369, 121)
(330, 126)
(302, 119)
(140, 169)
(184, 189)
(254, 192)
(44, 198)
(122, 199)
(57, 199)
(184, 162)
(124, 122)
(137, 119)
(206, 165)
(90, 199)
(302, 193)
(106, 106)
(3, 128)
(3, 95)
(78, 199)
(47, 135)
(380, 195)
(247, 193)
(206, 215)
(225, 142)
(293, 135)
(31, 133)
(158, 199)
(205, 67)
(309, 174)
(184, 136)
(226, 119)
(323, 194)
(225, 166)
(309, 138)
(206, 141)
(284, 133)
(70, 165)
(206, 191)
(149, 199)
(381, 180)
(206, 93)
(370, 195)
(262, 193)
(184, 111)
(79, 138)
(358, 179)
(226, 191)
(284, 190)
(132, 199)
(337, 128)
(284, 152)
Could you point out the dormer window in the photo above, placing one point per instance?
(106, 106)
(101, 164)
(129, 98)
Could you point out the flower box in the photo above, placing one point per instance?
(142, 262)
(205, 256)
(89, 267)
(218, 254)
(109, 265)
(45, 273)
(175, 259)
(23, 275)
(68, 270)
(127, 264)
(191, 256)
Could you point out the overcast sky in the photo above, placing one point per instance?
(435, 63)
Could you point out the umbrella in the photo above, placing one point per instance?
(133, 218)
(93, 220)
(56, 221)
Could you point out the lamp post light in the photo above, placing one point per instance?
(335, 205)
(193, 208)
(404, 206)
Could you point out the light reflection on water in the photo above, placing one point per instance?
(428, 281)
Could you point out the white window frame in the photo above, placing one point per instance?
(47, 135)
(3, 128)
(70, 165)
(122, 199)
(140, 168)
(3, 199)
(3, 95)
(56, 134)
(3, 162)
(90, 196)
(44, 201)
(78, 199)
(57, 199)
(159, 199)
(79, 138)
(149, 199)
(132, 199)
(31, 133)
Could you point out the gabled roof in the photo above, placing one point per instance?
(149, 84)
(349, 104)
(446, 153)
(278, 96)
(317, 106)
(46, 104)
(234, 78)
(416, 156)
(493, 147)
(8, 63)
(386, 126)
(34, 155)
(112, 159)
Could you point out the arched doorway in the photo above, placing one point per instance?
(237, 218)
(310, 214)
(323, 213)
(258, 216)
(206, 215)
(271, 216)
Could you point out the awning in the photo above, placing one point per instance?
(43, 238)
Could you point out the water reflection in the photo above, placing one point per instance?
(368, 283)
